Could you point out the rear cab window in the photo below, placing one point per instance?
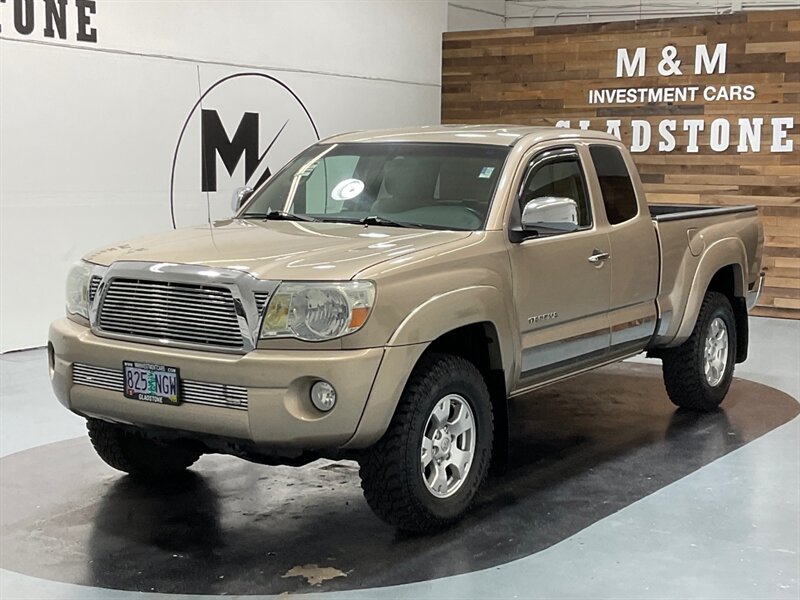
(619, 197)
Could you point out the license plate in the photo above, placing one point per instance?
(152, 383)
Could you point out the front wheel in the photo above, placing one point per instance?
(427, 468)
(698, 373)
(143, 458)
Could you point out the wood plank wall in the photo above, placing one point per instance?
(542, 75)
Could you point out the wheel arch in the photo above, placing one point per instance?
(480, 341)
(473, 322)
(722, 269)
(468, 307)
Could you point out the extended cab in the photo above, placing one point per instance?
(383, 295)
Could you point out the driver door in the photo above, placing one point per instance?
(561, 289)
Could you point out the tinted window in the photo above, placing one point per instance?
(619, 197)
(558, 178)
(441, 186)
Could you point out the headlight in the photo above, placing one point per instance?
(318, 311)
(78, 289)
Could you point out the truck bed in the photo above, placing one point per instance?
(694, 241)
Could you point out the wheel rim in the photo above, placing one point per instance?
(448, 446)
(715, 359)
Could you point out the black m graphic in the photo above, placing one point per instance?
(215, 141)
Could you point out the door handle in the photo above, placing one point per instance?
(597, 257)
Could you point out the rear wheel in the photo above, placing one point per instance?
(424, 473)
(127, 451)
(698, 373)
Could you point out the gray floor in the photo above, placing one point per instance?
(729, 530)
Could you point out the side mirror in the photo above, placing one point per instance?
(550, 215)
(240, 196)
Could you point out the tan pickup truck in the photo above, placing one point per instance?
(383, 295)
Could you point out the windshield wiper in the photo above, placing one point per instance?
(384, 222)
(372, 220)
(376, 220)
(278, 215)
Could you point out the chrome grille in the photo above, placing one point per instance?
(94, 283)
(261, 300)
(107, 379)
(178, 312)
(192, 392)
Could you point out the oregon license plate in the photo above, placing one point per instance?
(152, 383)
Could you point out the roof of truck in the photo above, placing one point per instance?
(499, 135)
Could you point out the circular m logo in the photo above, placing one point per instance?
(242, 129)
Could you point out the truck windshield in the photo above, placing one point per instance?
(428, 185)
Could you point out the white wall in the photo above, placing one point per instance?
(466, 15)
(537, 13)
(88, 130)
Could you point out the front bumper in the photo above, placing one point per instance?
(278, 409)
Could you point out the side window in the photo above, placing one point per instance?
(560, 177)
(619, 197)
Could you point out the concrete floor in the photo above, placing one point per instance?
(730, 529)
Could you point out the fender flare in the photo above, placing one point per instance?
(724, 253)
(433, 318)
(450, 310)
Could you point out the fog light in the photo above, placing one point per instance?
(323, 396)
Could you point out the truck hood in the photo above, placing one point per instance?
(279, 249)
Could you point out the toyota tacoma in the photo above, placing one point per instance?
(383, 295)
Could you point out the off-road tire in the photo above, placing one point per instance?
(391, 470)
(684, 376)
(143, 458)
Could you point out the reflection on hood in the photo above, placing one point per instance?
(279, 249)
